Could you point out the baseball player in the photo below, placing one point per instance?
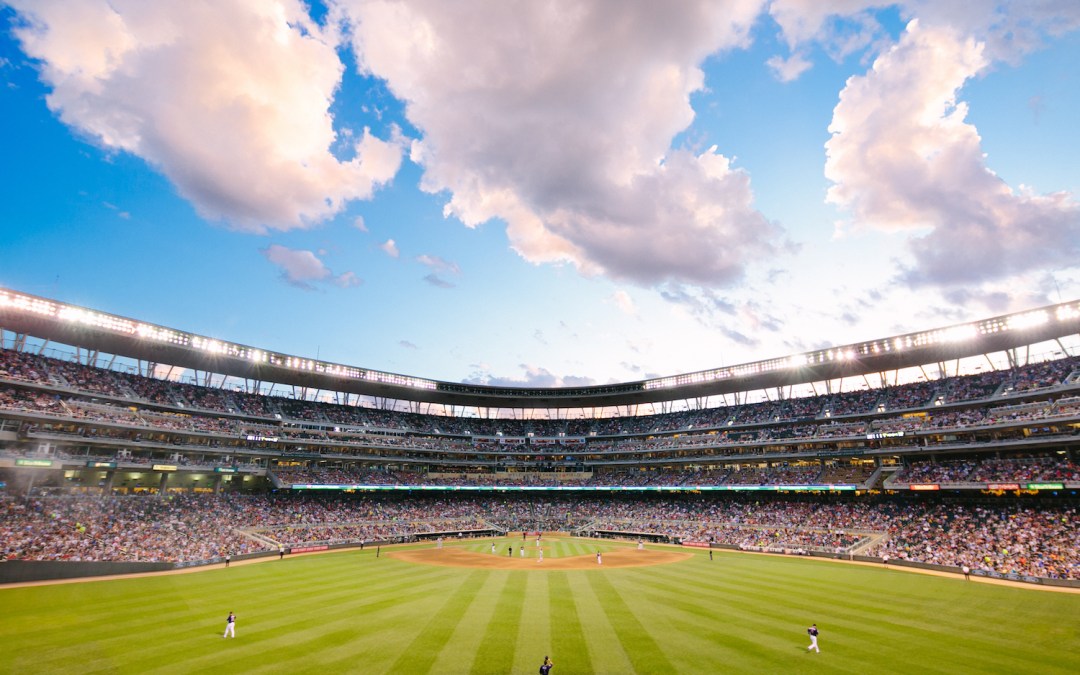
(812, 631)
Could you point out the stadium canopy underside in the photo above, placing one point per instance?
(95, 331)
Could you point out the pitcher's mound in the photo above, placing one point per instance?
(452, 557)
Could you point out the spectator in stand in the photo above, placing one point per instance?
(1011, 538)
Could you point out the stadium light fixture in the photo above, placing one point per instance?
(1028, 320)
(10, 300)
(18, 302)
(959, 333)
(27, 303)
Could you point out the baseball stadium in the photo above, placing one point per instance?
(913, 498)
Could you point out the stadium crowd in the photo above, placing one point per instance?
(1009, 540)
(92, 410)
(1010, 537)
(1057, 468)
(780, 475)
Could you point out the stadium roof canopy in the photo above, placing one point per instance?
(101, 332)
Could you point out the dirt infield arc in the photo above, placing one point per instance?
(453, 557)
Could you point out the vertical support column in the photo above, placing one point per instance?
(109, 477)
(217, 483)
(163, 483)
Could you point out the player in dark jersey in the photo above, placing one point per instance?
(812, 631)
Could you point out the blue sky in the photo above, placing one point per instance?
(547, 194)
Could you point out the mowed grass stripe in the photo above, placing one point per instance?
(858, 615)
(917, 610)
(388, 622)
(306, 635)
(419, 656)
(316, 590)
(66, 606)
(135, 633)
(579, 547)
(498, 642)
(466, 640)
(606, 653)
(533, 635)
(776, 637)
(805, 590)
(716, 636)
(720, 647)
(761, 625)
(381, 625)
(388, 629)
(125, 634)
(626, 617)
(462, 643)
(685, 595)
(567, 634)
(904, 610)
(354, 612)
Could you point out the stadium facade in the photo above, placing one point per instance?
(94, 402)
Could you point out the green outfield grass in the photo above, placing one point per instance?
(352, 612)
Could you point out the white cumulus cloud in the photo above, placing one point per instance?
(1009, 29)
(228, 98)
(347, 280)
(802, 21)
(389, 247)
(558, 118)
(303, 268)
(789, 69)
(903, 156)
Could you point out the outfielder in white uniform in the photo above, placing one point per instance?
(812, 632)
(230, 626)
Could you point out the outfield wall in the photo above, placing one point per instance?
(1040, 581)
(17, 571)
